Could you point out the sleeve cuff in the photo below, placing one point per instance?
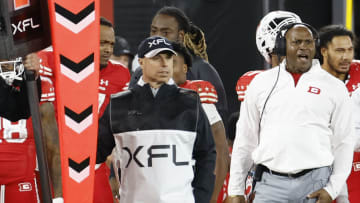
(235, 192)
(332, 193)
(58, 200)
(211, 112)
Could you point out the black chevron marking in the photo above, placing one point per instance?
(78, 117)
(75, 18)
(79, 166)
(77, 67)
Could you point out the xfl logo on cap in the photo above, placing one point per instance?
(19, 4)
(24, 187)
(157, 42)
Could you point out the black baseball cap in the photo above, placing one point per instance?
(152, 46)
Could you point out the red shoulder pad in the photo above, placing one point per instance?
(244, 82)
(205, 89)
(47, 63)
(47, 90)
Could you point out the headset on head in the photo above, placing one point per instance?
(280, 42)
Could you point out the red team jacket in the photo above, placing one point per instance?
(17, 144)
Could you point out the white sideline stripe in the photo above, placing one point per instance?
(37, 191)
(79, 177)
(75, 28)
(79, 127)
(77, 77)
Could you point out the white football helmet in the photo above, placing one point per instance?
(268, 29)
(11, 70)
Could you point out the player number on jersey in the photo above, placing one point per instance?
(15, 132)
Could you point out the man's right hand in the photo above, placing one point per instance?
(235, 199)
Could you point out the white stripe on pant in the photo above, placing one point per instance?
(2, 194)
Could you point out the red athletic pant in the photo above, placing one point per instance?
(22, 191)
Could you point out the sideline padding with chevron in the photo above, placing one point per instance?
(75, 33)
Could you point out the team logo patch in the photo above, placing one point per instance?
(19, 4)
(104, 82)
(314, 90)
(356, 166)
(25, 187)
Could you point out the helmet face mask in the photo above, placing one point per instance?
(268, 29)
(11, 70)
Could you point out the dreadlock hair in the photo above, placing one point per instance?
(194, 40)
(179, 15)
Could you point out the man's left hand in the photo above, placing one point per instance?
(321, 195)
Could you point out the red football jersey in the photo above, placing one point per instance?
(47, 66)
(352, 83)
(17, 144)
(205, 89)
(244, 82)
(47, 63)
(113, 78)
